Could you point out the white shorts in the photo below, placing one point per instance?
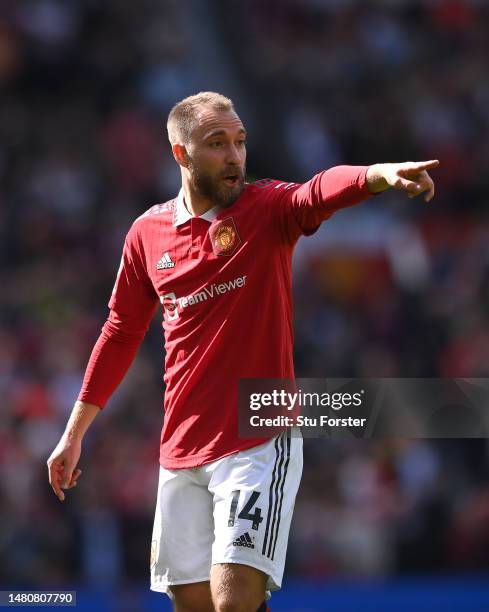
(235, 510)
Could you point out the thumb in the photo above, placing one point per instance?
(67, 473)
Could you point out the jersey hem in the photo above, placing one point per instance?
(172, 463)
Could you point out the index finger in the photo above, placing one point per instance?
(55, 479)
(425, 165)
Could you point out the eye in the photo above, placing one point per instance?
(216, 144)
(242, 143)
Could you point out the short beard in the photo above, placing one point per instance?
(207, 186)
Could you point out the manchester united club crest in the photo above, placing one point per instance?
(224, 237)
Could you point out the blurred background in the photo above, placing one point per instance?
(391, 288)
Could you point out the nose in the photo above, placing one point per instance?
(234, 155)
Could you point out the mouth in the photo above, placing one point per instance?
(231, 180)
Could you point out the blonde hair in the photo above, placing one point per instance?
(182, 117)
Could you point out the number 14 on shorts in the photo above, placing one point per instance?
(246, 514)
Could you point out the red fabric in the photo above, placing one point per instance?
(227, 306)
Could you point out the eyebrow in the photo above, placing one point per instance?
(222, 133)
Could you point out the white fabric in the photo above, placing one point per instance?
(194, 525)
(182, 215)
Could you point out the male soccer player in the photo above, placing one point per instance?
(218, 259)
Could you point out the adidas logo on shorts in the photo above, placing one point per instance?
(244, 540)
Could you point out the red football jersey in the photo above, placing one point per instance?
(224, 281)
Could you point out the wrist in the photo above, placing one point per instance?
(80, 420)
(376, 182)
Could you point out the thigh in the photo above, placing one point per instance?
(194, 597)
(182, 533)
(254, 495)
(237, 587)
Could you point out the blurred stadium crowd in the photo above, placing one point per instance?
(390, 288)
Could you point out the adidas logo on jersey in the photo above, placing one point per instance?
(165, 262)
(244, 540)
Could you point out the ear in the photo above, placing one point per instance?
(180, 155)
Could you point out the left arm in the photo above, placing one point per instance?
(304, 207)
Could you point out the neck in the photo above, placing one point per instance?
(196, 204)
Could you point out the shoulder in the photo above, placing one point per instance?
(270, 193)
(270, 186)
(151, 222)
(157, 212)
(155, 217)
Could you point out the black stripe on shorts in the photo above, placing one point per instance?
(276, 493)
(278, 454)
(281, 494)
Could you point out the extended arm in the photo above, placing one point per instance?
(304, 207)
